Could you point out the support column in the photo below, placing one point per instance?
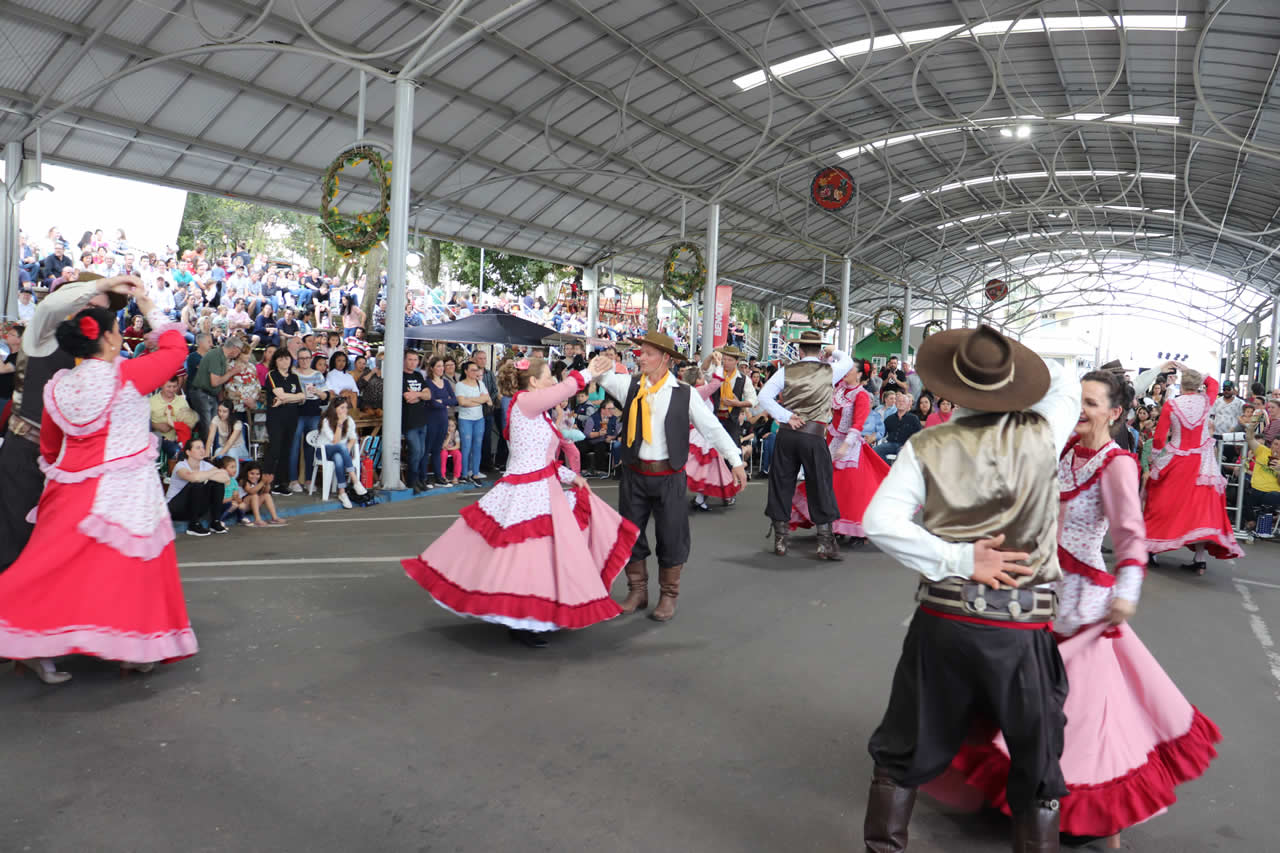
(1275, 351)
(9, 232)
(709, 292)
(905, 355)
(591, 285)
(951, 315)
(397, 275)
(766, 323)
(846, 273)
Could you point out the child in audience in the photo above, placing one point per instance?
(257, 495)
(234, 507)
(452, 449)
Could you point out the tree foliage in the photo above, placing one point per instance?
(503, 272)
(222, 223)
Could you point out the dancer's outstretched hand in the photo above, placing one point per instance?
(1122, 611)
(994, 567)
(600, 365)
(740, 476)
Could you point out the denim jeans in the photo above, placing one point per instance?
(306, 423)
(437, 429)
(416, 438)
(340, 456)
(472, 435)
(766, 451)
(205, 406)
(888, 448)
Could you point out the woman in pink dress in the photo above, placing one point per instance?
(530, 554)
(99, 576)
(1131, 736)
(1186, 492)
(858, 470)
(706, 472)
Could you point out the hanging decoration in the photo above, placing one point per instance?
(356, 234)
(682, 286)
(832, 188)
(888, 324)
(996, 289)
(931, 327)
(823, 314)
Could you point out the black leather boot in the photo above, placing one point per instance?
(781, 537)
(888, 814)
(827, 547)
(1036, 829)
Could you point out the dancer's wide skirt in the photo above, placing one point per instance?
(854, 488)
(68, 593)
(1182, 513)
(1131, 738)
(708, 475)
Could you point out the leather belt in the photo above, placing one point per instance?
(23, 428)
(958, 597)
(651, 466)
(818, 428)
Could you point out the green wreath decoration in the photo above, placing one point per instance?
(358, 234)
(681, 286)
(822, 317)
(931, 327)
(886, 332)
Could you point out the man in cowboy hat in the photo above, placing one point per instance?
(798, 397)
(735, 394)
(38, 360)
(655, 447)
(979, 642)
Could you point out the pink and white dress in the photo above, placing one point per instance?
(531, 554)
(100, 576)
(706, 471)
(1131, 736)
(859, 470)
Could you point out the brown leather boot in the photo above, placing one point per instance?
(827, 547)
(669, 587)
(1036, 829)
(781, 536)
(637, 587)
(888, 815)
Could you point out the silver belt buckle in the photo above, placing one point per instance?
(1015, 609)
(980, 603)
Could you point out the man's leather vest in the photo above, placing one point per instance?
(806, 391)
(739, 386)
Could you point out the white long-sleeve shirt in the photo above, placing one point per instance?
(889, 518)
(618, 385)
(840, 368)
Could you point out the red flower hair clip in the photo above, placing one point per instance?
(522, 364)
(89, 327)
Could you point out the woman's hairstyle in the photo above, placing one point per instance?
(85, 240)
(281, 353)
(333, 361)
(222, 461)
(80, 335)
(1119, 392)
(331, 413)
(246, 469)
(918, 410)
(191, 442)
(691, 375)
(433, 361)
(514, 375)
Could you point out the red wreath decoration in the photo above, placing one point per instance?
(89, 327)
(832, 188)
(996, 289)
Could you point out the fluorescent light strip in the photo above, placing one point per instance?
(1025, 25)
(1031, 235)
(1022, 176)
(975, 218)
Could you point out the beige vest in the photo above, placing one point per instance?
(994, 473)
(806, 390)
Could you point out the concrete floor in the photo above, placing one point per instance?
(334, 707)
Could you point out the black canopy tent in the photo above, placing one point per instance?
(485, 327)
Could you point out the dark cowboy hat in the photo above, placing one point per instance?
(732, 351)
(809, 336)
(1114, 366)
(659, 341)
(116, 301)
(982, 369)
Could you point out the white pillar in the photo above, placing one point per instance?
(1275, 336)
(9, 232)
(846, 273)
(397, 274)
(482, 270)
(766, 326)
(709, 292)
(591, 285)
(951, 315)
(906, 326)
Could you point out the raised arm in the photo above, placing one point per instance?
(710, 388)
(861, 411)
(769, 397)
(1161, 435)
(1123, 508)
(533, 403)
(38, 339)
(1211, 389)
(1060, 405)
(841, 364)
(148, 372)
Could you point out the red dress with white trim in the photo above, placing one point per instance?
(1186, 493)
(100, 576)
(530, 554)
(1131, 736)
(706, 471)
(859, 471)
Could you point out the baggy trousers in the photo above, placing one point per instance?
(23, 483)
(665, 498)
(792, 451)
(952, 673)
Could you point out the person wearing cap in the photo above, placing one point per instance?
(655, 447)
(734, 395)
(979, 641)
(798, 397)
(39, 359)
(1186, 492)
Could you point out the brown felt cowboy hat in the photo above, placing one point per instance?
(732, 351)
(809, 336)
(982, 369)
(659, 341)
(115, 301)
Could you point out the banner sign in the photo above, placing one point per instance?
(724, 298)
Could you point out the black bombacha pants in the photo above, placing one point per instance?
(793, 450)
(952, 673)
(23, 482)
(665, 498)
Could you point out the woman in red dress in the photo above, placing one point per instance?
(1186, 492)
(99, 576)
(858, 470)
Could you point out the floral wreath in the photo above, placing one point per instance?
(822, 317)
(358, 234)
(891, 331)
(931, 327)
(681, 286)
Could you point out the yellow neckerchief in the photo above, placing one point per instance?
(726, 391)
(640, 406)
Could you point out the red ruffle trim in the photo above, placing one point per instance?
(713, 490)
(532, 476)
(704, 457)
(1114, 454)
(497, 536)
(530, 606)
(1070, 563)
(1106, 808)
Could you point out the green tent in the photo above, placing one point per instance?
(872, 347)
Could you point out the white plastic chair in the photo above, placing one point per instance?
(323, 464)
